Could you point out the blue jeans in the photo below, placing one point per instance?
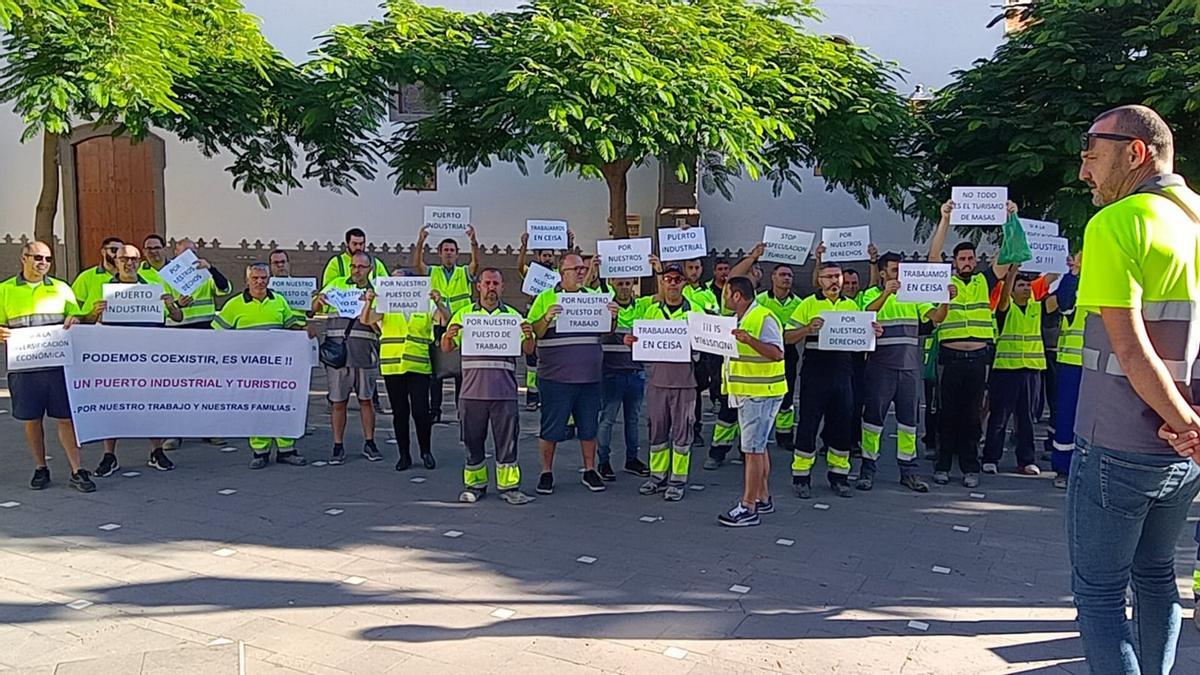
(1125, 512)
(621, 391)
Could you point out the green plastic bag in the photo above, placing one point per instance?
(1015, 249)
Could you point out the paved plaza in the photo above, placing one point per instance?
(214, 568)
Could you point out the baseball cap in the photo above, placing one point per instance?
(673, 267)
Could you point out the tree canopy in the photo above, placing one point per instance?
(1016, 118)
(598, 86)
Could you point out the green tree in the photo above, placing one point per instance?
(1016, 119)
(733, 87)
(200, 69)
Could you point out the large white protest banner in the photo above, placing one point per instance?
(847, 332)
(38, 347)
(924, 282)
(491, 335)
(1038, 228)
(786, 246)
(712, 334)
(846, 244)
(538, 279)
(624, 258)
(544, 234)
(584, 313)
(979, 205)
(181, 273)
(133, 303)
(678, 243)
(298, 291)
(447, 221)
(165, 383)
(347, 302)
(662, 341)
(401, 295)
(1049, 255)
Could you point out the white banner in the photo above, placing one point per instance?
(498, 335)
(847, 332)
(662, 341)
(181, 273)
(924, 282)
(1049, 255)
(298, 291)
(347, 302)
(786, 246)
(38, 347)
(846, 244)
(165, 383)
(547, 234)
(676, 243)
(133, 303)
(539, 279)
(1038, 228)
(401, 295)
(447, 221)
(584, 313)
(624, 258)
(979, 205)
(712, 334)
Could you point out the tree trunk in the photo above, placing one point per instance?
(616, 174)
(47, 205)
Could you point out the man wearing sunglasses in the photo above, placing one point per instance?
(1129, 492)
(89, 285)
(33, 298)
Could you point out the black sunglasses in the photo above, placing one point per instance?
(1086, 141)
(40, 258)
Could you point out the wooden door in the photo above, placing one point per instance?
(114, 184)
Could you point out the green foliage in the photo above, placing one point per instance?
(199, 68)
(1015, 119)
(600, 85)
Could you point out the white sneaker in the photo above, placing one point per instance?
(988, 467)
(941, 477)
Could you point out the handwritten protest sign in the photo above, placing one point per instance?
(181, 273)
(550, 234)
(624, 258)
(712, 334)
(979, 205)
(786, 246)
(846, 244)
(447, 221)
(38, 347)
(583, 313)
(1049, 255)
(662, 341)
(347, 302)
(924, 282)
(491, 335)
(847, 332)
(675, 243)
(539, 279)
(298, 291)
(1038, 228)
(133, 303)
(401, 295)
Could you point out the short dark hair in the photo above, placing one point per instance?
(447, 240)
(278, 250)
(720, 261)
(778, 265)
(847, 270)
(157, 237)
(883, 260)
(1144, 124)
(742, 286)
(964, 246)
(111, 240)
(354, 232)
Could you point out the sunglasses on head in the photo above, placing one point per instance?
(37, 257)
(1086, 140)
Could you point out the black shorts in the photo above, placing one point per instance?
(39, 393)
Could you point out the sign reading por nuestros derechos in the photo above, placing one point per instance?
(624, 258)
(538, 279)
(401, 295)
(979, 205)
(924, 282)
(583, 313)
(847, 332)
(491, 335)
(133, 303)
(675, 243)
(661, 341)
(786, 246)
(181, 273)
(298, 291)
(162, 382)
(447, 221)
(846, 244)
(545, 234)
(39, 347)
(712, 334)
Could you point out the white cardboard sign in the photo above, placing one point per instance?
(347, 302)
(662, 341)
(1038, 228)
(847, 332)
(846, 244)
(498, 335)
(401, 295)
(298, 291)
(1049, 255)
(786, 246)
(181, 273)
(979, 205)
(547, 234)
(447, 221)
(712, 334)
(39, 347)
(538, 279)
(133, 303)
(584, 313)
(676, 243)
(924, 282)
(624, 258)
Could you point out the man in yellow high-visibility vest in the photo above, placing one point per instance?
(453, 282)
